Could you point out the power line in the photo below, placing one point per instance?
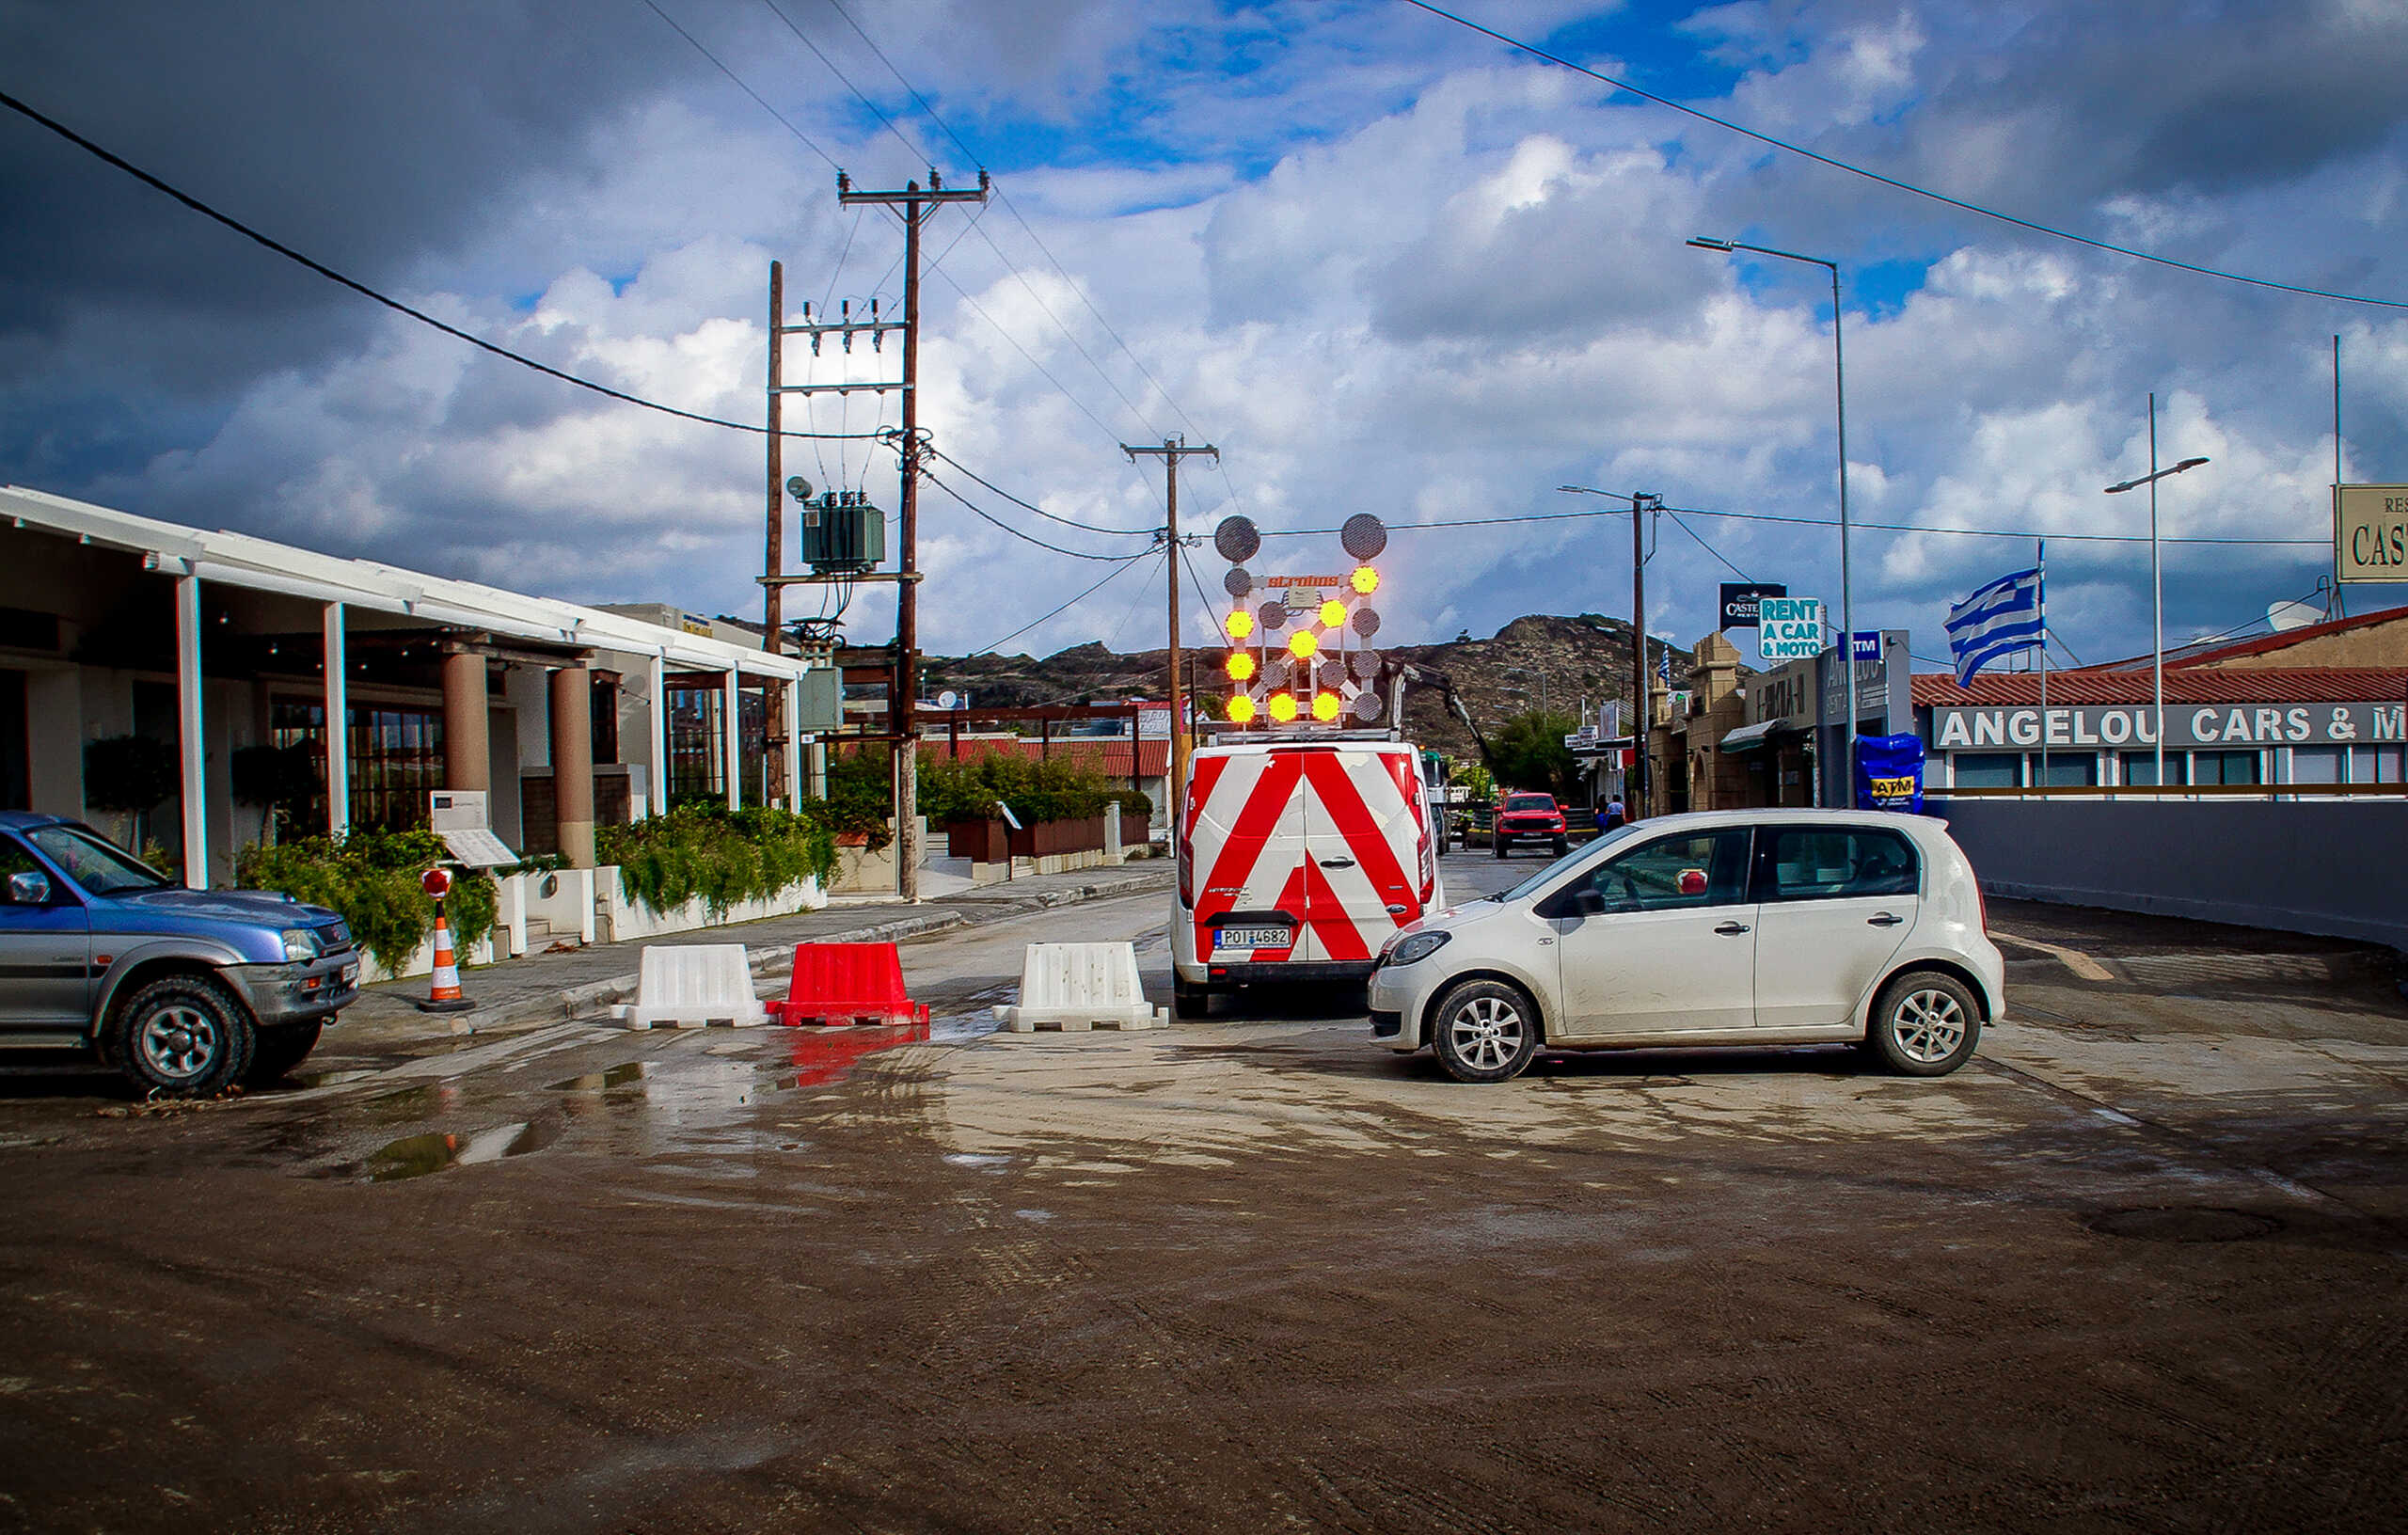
(1709, 549)
(1816, 522)
(394, 304)
(887, 122)
(1031, 506)
(1903, 186)
(1109, 576)
(980, 310)
(1013, 208)
(1029, 538)
(800, 137)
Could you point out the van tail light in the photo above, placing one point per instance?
(1186, 873)
(1429, 861)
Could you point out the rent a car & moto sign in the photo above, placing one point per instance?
(2203, 724)
(1789, 628)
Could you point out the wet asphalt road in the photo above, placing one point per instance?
(2139, 1267)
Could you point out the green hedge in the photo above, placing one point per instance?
(1064, 789)
(371, 877)
(722, 856)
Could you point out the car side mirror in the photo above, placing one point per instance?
(31, 888)
(1587, 901)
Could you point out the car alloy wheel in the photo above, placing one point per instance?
(1485, 1031)
(180, 1043)
(1925, 1023)
(1928, 1024)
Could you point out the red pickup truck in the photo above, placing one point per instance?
(1528, 817)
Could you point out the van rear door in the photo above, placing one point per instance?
(1371, 867)
(1248, 847)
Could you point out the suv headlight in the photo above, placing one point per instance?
(1420, 946)
(301, 945)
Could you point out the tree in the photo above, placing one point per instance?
(1529, 752)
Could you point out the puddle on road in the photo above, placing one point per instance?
(415, 1156)
(626, 1074)
(818, 1056)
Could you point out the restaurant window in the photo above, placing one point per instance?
(1987, 770)
(396, 759)
(2140, 767)
(2225, 767)
(695, 769)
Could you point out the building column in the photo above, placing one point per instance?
(660, 736)
(572, 717)
(467, 747)
(188, 738)
(338, 726)
(732, 742)
(794, 743)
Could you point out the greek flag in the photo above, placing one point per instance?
(2000, 619)
(1664, 666)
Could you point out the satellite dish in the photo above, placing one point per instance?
(948, 700)
(2293, 615)
(798, 487)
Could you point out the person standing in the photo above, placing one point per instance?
(1614, 816)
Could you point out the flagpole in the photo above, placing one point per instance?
(2041, 548)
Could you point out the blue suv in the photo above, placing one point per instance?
(186, 991)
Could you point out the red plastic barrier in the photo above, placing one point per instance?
(847, 983)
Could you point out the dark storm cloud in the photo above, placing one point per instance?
(2052, 108)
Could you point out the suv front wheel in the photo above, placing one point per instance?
(183, 1037)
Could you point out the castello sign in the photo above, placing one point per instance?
(2188, 724)
(2370, 534)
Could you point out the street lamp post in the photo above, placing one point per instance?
(2156, 578)
(1839, 370)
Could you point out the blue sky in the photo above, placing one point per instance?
(1385, 263)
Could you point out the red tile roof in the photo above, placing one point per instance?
(2283, 684)
(2259, 645)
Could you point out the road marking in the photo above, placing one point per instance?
(2081, 964)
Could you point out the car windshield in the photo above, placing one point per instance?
(100, 867)
(1529, 801)
(1587, 852)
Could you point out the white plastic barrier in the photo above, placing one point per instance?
(1076, 987)
(689, 984)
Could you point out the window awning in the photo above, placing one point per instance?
(1758, 736)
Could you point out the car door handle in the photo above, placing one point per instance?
(1883, 919)
(1336, 863)
(1731, 929)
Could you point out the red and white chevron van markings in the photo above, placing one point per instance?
(1325, 916)
(1342, 797)
(1265, 789)
(1266, 800)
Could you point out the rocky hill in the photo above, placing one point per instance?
(1559, 661)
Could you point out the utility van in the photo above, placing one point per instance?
(1298, 860)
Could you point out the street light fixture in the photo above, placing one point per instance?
(2156, 578)
(1839, 370)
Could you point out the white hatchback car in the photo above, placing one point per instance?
(1726, 927)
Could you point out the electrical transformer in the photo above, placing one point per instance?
(843, 534)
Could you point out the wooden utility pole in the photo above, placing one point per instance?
(915, 204)
(1640, 689)
(773, 558)
(1170, 453)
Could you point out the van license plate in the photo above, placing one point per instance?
(1251, 938)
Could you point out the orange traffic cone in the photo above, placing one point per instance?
(443, 992)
